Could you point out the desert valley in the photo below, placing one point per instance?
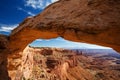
(83, 22)
(62, 64)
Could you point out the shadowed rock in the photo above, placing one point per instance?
(90, 21)
(3, 57)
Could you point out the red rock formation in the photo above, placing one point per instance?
(90, 21)
(56, 66)
(3, 57)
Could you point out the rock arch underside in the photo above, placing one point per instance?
(89, 21)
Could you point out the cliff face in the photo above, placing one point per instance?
(90, 21)
(50, 64)
(3, 57)
(62, 64)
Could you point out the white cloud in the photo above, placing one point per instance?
(43, 40)
(7, 28)
(85, 45)
(47, 40)
(28, 12)
(54, 1)
(39, 4)
(38, 40)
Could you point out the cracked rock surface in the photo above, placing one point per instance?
(90, 21)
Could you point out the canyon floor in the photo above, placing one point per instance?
(63, 64)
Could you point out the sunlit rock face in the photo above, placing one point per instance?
(90, 21)
(50, 64)
(3, 57)
(14, 62)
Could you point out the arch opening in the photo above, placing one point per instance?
(95, 22)
(60, 42)
(50, 54)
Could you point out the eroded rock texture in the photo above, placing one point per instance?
(3, 57)
(50, 64)
(90, 21)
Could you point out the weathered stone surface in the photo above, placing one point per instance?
(3, 57)
(50, 64)
(90, 21)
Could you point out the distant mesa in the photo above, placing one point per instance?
(89, 21)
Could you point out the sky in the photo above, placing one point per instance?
(14, 12)
(62, 43)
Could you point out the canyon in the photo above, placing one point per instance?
(89, 21)
(48, 64)
(45, 63)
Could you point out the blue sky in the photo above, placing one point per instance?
(14, 12)
(62, 43)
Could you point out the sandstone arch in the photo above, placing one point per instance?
(90, 21)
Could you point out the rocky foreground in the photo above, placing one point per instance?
(48, 64)
(62, 64)
(90, 21)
